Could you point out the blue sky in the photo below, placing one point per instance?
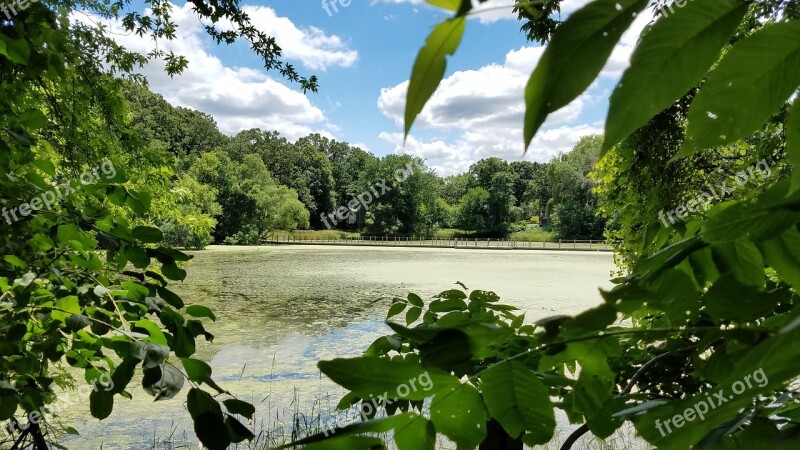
(363, 56)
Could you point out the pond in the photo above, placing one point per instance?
(283, 308)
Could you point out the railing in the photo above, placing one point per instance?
(467, 243)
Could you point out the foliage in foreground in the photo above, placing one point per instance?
(84, 281)
(705, 305)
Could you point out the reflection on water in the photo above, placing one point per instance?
(282, 309)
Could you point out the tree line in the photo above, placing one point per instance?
(239, 189)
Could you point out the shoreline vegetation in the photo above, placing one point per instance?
(455, 243)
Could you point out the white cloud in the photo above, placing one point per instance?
(239, 97)
(311, 46)
(450, 158)
(479, 113)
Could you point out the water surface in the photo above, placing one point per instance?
(283, 308)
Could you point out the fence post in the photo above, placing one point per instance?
(559, 243)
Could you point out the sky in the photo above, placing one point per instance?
(362, 55)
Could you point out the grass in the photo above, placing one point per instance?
(530, 235)
(315, 234)
(280, 426)
(534, 235)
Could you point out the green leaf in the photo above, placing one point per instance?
(69, 232)
(151, 355)
(519, 401)
(741, 220)
(413, 314)
(77, 322)
(45, 165)
(753, 80)
(383, 345)
(459, 414)
(209, 423)
(238, 432)
(396, 309)
(728, 299)
(148, 235)
(484, 297)
(447, 349)
(139, 202)
(170, 297)
(577, 52)
(33, 119)
(15, 261)
(415, 300)
(165, 254)
(743, 259)
(196, 370)
(122, 376)
(66, 307)
(156, 335)
(453, 304)
(8, 404)
(200, 311)
(173, 272)
(379, 376)
(419, 434)
(163, 382)
(137, 255)
(101, 403)
(783, 254)
(430, 65)
(135, 291)
(15, 49)
(671, 58)
(242, 408)
(450, 5)
(792, 131)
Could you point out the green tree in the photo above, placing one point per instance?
(252, 202)
(573, 207)
(193, 223)
(349, 165)
(184, 131)
(532, 188)
(298, 166)
(409, 206)
(473, 210)
(454, 187)
(496, 177)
